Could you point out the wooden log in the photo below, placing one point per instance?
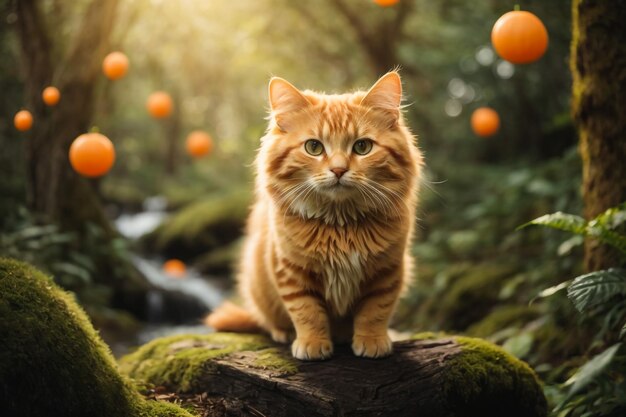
(450, 376)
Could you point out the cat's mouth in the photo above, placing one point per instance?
(337, 184)
(337, 190)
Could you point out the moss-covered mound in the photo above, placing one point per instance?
(485, 380)
(52, 361)
(207, 225)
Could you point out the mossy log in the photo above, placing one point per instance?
(52, 361)
(426, 376)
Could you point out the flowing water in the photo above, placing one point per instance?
(209, 292)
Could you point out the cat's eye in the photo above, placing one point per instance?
(362, 146)
(314, 147)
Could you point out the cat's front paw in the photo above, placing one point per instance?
(372, 346)
(312, 349)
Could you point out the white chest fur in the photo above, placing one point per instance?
(342, 281)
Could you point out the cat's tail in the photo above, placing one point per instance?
(231, 318)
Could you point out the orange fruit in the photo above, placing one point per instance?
(386, 3)
(199, 143)
(51, 96)
(175, 268)
(92, 154)
(159, 104)
(115, 65)
(519, 37)
(485, 121)
(23, 120)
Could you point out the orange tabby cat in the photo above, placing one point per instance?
(327, 250)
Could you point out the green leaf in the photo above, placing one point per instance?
(72, 270)
(551, 290)
(567, 246)
(602, 227)
(612, 217)
(607, 236)
(596, 288)
(35, 231)
(561, 221)
(519, 345)
(590, 371)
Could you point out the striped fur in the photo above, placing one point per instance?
(326, 258)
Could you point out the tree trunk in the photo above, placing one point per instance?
(172, 136)
(54, 189)
(429, 377)
(598, 56)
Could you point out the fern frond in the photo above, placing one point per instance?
(561, 221)
(596, 288)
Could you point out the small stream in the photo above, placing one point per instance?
(209, 292)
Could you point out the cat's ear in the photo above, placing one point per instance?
(386, 95)
(285, 100)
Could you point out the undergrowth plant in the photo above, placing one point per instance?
(75, 261)
(598, 387)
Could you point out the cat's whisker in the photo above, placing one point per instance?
(385, 200)
(308, 187)
(293, 192)
(401, 199)
(381, 204)
(365, 196)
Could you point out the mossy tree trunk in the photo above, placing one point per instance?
(598, 64)
(54, 189)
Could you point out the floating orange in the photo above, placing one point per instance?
(519, 37)
(159, 104)
(92, 154)
(51, 96)
(199, 143)
(485, 121)
(175, 268)
(23, 120)
(115, 65)
(386, 3)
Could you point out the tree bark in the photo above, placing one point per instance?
(172, 135)
(440, 377)
(380, 42)
(598, 64)
(54, 189)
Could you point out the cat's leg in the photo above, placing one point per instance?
(372, 314)
(305, 305)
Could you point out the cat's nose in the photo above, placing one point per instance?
(339, 171)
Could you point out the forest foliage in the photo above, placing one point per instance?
(476, 274)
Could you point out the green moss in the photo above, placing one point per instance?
(276, 359)
(202, 226)
(427, 336)
(483, 379)
(161, 409)
(53, 362)
(183, 362)
(502, 318)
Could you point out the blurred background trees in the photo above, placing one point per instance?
(476, 274)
